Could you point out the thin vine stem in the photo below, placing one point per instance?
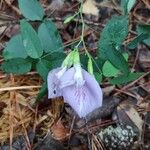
(82, 37)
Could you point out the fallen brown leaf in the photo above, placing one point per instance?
(59, 131)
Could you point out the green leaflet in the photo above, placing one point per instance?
(145, 29)
(43, 67)
(109, 70)
(17, 66)
(127, 5)
(42, 92)
(14, 48)
(31, 9)
(125, 79)
(56, 58)
(50, 37)
(133, 44)
(98, 77)
(31, 41)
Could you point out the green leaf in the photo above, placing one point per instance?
(14, 48)
(133, 44)
(130, 5)
(83, 60)
(31, 9)
(98, 77)
(98, 64)
(43, 67)
(17, 66)
(111, 38)
(56, 58)
(125, 79)
(115, 32)
(127, 5)
(117, 60)
(42, 92)
(145, 29)
(109, 70)
(31, 41)
(50, 37)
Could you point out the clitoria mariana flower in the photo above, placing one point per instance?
(78, 87)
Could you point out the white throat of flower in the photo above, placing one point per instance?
(78, 76)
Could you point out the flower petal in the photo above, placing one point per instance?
(53, 84)
(67, 78)
(83, 99)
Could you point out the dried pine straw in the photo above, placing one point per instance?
(17, 114)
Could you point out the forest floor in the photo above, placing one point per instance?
(52, 124)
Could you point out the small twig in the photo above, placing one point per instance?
(71, 128)
(1, 3)
(9, 23)
(147, 3)
(136, 58)
(88, 135)
(132, 83)
(99, 143)
(140, 85)
(142, 134)
(3, 33)
(29, 73)
(13, 7)
(11, 114)
(35, 122)
(125, 92)
(24, 128)
(94, 127)
(19, 88)
(6, 17)
(122, 90)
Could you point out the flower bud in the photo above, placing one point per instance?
(76, 58)
(68, 62)
(90, 66)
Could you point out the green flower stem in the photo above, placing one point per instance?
(82, 37)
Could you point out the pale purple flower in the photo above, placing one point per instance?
(80, 90)
(78, 87)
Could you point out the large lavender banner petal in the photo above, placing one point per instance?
(83, 99)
